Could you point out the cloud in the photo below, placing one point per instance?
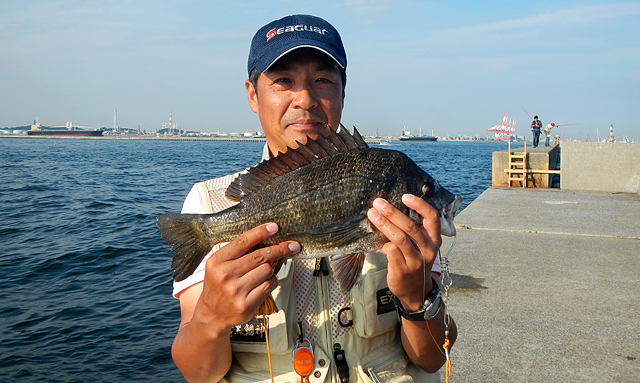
(572, 17)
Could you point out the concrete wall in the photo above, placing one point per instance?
(539, 159)
(600, 166)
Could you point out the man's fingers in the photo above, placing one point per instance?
(250, 238)
(430, 216)
(236, 259)
(262, 263)
(397, 226)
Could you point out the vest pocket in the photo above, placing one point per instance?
(388, 365)
(262, 377)
(250, 337)
(372, 303)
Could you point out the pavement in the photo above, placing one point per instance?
(546, 287)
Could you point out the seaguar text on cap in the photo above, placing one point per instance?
(294, 28)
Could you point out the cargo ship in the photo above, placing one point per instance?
(68, 131)
(406, 136)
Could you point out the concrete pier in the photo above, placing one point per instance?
(540, 158)
(595, 166)
(546, 287)
(601, 166)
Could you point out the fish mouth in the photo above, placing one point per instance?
(446, 216)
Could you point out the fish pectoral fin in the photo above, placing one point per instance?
(347, 269)
(340, 233)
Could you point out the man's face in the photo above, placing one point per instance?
(297, 97)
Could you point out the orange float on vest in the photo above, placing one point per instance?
(303, 361)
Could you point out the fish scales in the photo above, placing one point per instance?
(321, 203)
(330, 190)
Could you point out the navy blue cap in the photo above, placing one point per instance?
(280, 37)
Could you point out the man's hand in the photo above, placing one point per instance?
(411, 254)
(237, 280)
(412, 249)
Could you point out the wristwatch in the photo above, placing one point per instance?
(429, 308)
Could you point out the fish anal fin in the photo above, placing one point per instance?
(347, 269)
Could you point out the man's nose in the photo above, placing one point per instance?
(305, 98)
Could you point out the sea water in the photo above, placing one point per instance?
(85, 286)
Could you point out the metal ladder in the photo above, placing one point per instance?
(518, 166)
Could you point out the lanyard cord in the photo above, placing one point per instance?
(266, 332)
(447, 282)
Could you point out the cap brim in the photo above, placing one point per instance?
(270, 58)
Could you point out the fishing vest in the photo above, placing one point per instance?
(353, 335)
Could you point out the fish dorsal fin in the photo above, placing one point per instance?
(336, 142)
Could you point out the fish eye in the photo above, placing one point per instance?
(429, 190)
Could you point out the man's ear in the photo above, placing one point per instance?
(252, 96)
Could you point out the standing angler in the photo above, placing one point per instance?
(389, 326)
(536, 125)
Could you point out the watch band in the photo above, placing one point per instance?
(429, 308)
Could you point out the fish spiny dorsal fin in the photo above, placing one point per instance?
(313, 150)
(346, 138)
(259, 174)
(279, 165)
(326, 144)
(357, 139)
(337, 140)
(307, 153)
(316, 149)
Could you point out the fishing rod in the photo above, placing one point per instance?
(559, 125)
(526, 111)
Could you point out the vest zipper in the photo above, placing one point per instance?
(324, 305)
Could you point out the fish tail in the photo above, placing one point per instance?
(184, 234)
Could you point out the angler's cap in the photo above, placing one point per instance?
(280, 37)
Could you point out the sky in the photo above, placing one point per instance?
(451, 67)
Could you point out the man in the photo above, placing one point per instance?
(535, 128)
(297, 76)
(547, 132)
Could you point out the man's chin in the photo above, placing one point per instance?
(301, 134)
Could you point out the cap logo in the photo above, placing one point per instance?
(294, 28)
(271, 34)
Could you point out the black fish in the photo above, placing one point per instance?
(319, 195)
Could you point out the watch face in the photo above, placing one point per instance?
(434, 308)
(429, 308)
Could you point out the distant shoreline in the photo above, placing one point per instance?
(169, 138)
(144, 138)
